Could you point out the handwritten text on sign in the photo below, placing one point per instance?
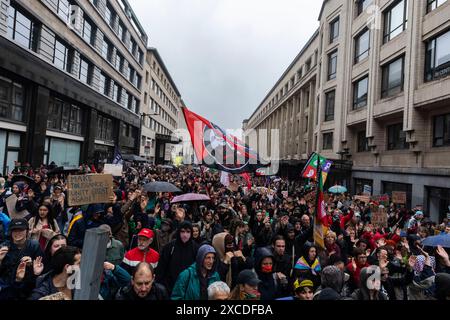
(89, 189)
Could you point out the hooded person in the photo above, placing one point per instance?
(333, 280)
(370, 288)
(308, 266)
(231, 262)
(163, 235)
(93, 218)
(442, 282)
(269, 287)
(193, 283)
(176, 256)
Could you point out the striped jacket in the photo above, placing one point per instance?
(134, 256)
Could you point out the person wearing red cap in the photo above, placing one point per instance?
(142, 253)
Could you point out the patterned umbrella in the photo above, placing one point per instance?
(337, 189)
(189, 197)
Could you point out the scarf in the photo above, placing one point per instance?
(303, 265)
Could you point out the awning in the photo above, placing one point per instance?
(133, 157)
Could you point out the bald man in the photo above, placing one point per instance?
(143, 286)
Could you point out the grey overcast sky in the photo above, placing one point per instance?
(225, 55)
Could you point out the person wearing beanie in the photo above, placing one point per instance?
(193, 283)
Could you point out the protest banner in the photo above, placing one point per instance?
(11, 205)
(399, 197)
(367, 190)
(365, 199)
(114, 169)
(89, 189)
(380, 217)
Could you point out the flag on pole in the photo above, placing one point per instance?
(117, 156)
(310, 169)
(320, 221)
(216, 149)
(248, 179)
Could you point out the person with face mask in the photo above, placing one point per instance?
(231, 261)
(176, 256)
(193, 283)
(114, 248)
(269, 287)
(64, 265)
(163, 235)
(246, 286)
(142, 253)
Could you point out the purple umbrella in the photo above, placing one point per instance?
(190, 197)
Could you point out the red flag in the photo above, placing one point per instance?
(216, 149)
(247, 178)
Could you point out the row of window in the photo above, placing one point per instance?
(25, 31)
(116, 24)
(160, 111)
(160, 93)
(158, 127)
(437, 65)
(160, 74)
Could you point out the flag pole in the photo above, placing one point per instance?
(318, 226)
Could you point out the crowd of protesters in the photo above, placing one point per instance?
(244, 244)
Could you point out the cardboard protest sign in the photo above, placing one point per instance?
(113, 169)
(89, 189)
(11, 205)
(399, 197)
(380, 217)
(365, 199)
(233, 187)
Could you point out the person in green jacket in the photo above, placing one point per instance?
(192, 283)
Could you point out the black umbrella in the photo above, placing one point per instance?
(160, 186)
(27, 180)
(64, 170)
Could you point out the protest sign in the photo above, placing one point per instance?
(380, 217)
(114, 169)
(11, 205)
(233, 186)
(367, 190)
(399, 197)
(365, 199)
(89, 189)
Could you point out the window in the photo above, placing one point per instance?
(327, 141)
(107, 50)
(334, 30)
(329, 105)
(119, 62)
(362, 5)
(86, 69)
(12, 100)
(120, 32)
(104, 128)
(362, 45)
(21, 29)
(63, 116)
(437, 61)
(395, 20)
(392, 77)
(62, 9)
(363, 142)
(88, 32)
(110, 15)
(433, 4)
(116, 92)
(62, 57)
(332, 65)
(140, 57)
(441, 131)
(360, 89)
(396, 137)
